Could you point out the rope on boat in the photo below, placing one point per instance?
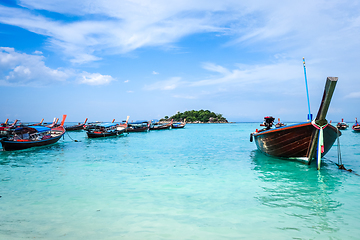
(321, 147)
(338, 148)
(71, 138)
(340, 163)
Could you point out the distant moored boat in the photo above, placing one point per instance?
(342, 125)
(138, 126)
(77, 127)
(106, 130)
(179, 124)
(159, 126)
(356, 126)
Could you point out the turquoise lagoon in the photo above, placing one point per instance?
(206, 181)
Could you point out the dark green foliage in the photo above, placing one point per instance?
(201, 116)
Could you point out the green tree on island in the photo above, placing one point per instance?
(204, 116)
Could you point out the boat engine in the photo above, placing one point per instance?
(268, 122)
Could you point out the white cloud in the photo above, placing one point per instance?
(21, 69)
(215, 68)
(155, 73)
(353, 95)
(94, 78)
(274, 77)
(126, 81)
(113, 27)
(117, 27)
(27, 69)
(185, 96)
(249, 74)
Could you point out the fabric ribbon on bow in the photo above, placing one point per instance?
(321, 147)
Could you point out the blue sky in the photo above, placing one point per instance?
(107, 59)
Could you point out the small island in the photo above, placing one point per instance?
(193, 116)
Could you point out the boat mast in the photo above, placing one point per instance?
(307, 92)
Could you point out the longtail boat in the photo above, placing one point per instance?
(54, 123)
(300, 141)
(159, 126)
(356, 126)
(5, 123)
(33, 136)
(91, 125)
(279, 124)
(77, 127)
(342, 125)
(37, 124)
(105, 130)
(179, 124)
(6, 129)
(124, 123)
(138, 126)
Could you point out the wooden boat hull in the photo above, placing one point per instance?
(75, 128)
(160, 127)
(15, 145)
(55, 134)
(356, 128)
(94, 134)
(178, 126)
(293, 141)
(138, 129)
(342, 126)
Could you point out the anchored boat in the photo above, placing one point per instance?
(179, 124)
(7, 129)
(279, 124)
(342, 125)
(356, 126)
(33, 136)
(77, 127)
(105, 130)
(138, 126)
(159, 126)
(300, 141)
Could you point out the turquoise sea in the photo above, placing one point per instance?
(206, 181)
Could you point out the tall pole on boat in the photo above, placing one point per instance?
(320, 122)
(307, 92)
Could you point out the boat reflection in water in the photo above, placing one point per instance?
(298, 197)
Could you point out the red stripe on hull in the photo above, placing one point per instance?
(144, 129)
(14, 145)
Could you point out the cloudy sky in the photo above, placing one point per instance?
(105, 59)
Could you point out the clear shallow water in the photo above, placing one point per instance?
(206, 181)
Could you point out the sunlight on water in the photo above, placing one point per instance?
(201, 182)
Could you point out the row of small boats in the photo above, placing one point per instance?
(306, 141)
(340, 125)
(21, 136)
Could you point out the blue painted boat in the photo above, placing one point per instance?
(356, 126)
(138, 126)
(105, 130)
(33, 136)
